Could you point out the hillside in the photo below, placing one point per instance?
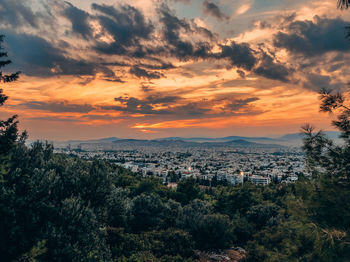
(117, 144)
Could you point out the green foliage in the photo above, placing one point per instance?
(146, 212)
(238, 199)
(314, 215)
(162, 243)
(8, 128)
(214, 232)
(173, 177)
(36, 251)
(117, 204)
(263, 215)
(193, 214)
(8, 135)
(188, 190)
(60, 208)
(41, 199)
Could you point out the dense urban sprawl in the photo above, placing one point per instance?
(234, 166)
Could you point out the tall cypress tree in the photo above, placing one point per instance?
(8, 128)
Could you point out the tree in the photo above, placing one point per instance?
(146, 212)
(214, 232)
(188, 190)
(343, 4)
(262, 215)
(209, 231)
(193, 214)
(8, 128)
(45, 210)
(330, 163)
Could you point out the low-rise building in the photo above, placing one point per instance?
(260, 180)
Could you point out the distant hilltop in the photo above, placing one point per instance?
(129, 144)
(294, 139)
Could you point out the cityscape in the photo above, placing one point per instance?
(210, 163)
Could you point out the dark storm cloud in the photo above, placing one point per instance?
(178, 47)
(206, 33)
(241, 103)
(135, 105)
(268, 68)
(159, 99)
(113, 79)
(142, 46)
(152, 63)
(79, 20)
(146, 88)
(171, 108)
(240, 73)
(172, 24)
(142, 73)
(157, 64)
(192, 109)
(213, 10)
(17, 13)
(242, 56)
(58, 107)
(36, 56)
(313, 38)
(239, 55)
(127, 25)
(146, 106)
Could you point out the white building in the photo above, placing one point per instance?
(260, 180)
(235, 179)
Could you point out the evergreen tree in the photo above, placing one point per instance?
(329, 162)
(8, 128)
(343, 4)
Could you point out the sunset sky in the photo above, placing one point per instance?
(160, 68)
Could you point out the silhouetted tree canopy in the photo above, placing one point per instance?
(8, 128)
(343, 4)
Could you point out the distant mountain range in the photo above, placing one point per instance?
(188, 143)
(229, 141)
(130, 144)
(222, 139)
(286, 140)
(330, 134)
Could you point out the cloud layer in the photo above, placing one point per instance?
(173, 60)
